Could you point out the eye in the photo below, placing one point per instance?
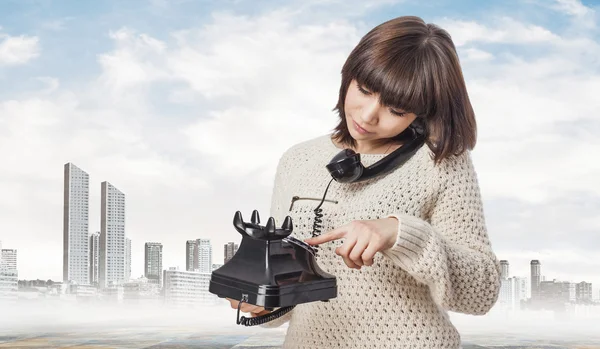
(361, 89)
(397, 112)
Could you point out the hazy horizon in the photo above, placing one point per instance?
(35, 317)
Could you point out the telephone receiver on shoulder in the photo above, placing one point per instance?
(346, 167)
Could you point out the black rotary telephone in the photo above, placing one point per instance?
(275, 270)
(271, 269)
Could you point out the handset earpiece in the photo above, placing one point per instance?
(346, 167)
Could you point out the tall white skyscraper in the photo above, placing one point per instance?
(535, 278)
(94, 257)
(75, 225)
(504, 269)
(153, 269)
(204, 255)
(9, 276)
(111, 266)
(512, 292)
(191, 255)
(127, 259)
(8, 260)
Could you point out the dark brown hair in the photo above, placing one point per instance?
(414, 67)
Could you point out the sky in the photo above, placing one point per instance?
(186, 107)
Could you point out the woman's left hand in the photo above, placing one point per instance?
(363, 240)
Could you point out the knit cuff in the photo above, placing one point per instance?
(410, 242)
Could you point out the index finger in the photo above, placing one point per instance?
(329, 236)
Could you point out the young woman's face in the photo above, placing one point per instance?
(368, 120)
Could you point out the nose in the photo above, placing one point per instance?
(370, 111)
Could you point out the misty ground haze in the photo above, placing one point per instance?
(22, 319)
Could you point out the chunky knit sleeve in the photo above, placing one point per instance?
(278, 203)
(451, 253)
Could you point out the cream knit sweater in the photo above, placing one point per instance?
(442, 260)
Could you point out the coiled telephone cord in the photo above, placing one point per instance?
(318, 218)
(259, 320)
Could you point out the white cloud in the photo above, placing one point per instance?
(585, 17)
(572, 7)
(279, 84)
(16, 50)
(502, 30)
(51, 84)
(474, 54)
(133, 62)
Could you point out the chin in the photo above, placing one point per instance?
(356, 135)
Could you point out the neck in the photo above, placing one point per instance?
(365, 147)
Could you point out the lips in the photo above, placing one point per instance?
(359, 129)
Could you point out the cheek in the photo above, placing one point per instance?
(352, 99)
(396, 126)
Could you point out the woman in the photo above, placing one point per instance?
(407, 246)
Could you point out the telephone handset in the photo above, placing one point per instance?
(346, 167)
(271, 269)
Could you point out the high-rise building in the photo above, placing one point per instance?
(512, 292)
(153, 269)
(188, 289)
(127, 259)
(111, 271)
(583, 292)
(75, 225)
(520, 289)
(555, 294)
(8, 261)
(230, 249)
(9, 276)
(204, 255)
(504, 269)
(524, 287)
(198, 255)
(535, 278)
(191, 255)
(94, 257)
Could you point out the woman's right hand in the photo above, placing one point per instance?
(254, 310)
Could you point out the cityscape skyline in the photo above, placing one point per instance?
(534, 288)
(199, 252)
(536, 291)
(107, 271)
